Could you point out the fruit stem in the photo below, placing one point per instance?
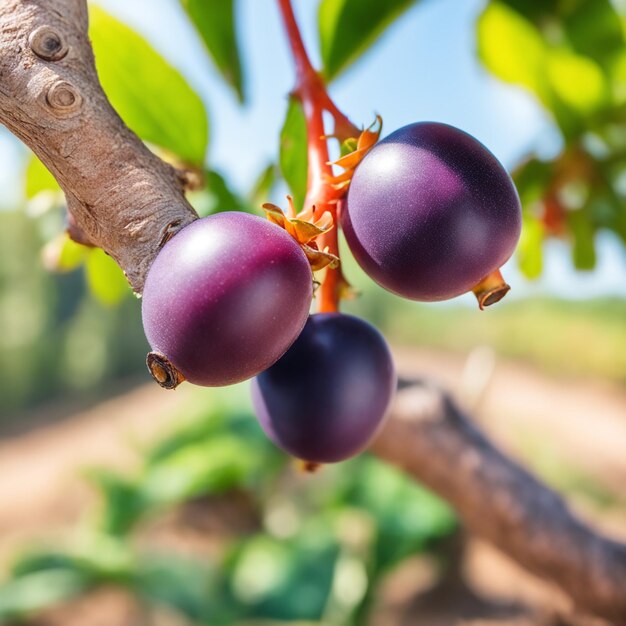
(311, 91)
(163, 371)
(491, 289)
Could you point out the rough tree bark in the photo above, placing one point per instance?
(127, 201)
(120, 196)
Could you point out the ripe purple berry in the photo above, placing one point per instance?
(430, 212)
(326, 398)
(226, 297)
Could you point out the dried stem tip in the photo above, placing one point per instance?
(490, 289)
(163, 371)
(309, 467)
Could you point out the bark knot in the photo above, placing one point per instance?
(63, 98)
(48, 44)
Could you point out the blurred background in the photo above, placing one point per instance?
(123, 504)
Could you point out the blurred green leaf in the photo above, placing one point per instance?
(293, 152)
(123, 502)
(97, 558)
(262, 187)
(347, 28)
(25, 595)
(225, 198)
(583, 233)
(185, 585)
(211, 466)
(594, 29)
(105, 279)
(284, 579)
(408, 517)
(215, 21)
(62, 254)
(502, 34)
(217, 196)
(150, 95)
(576, 80)
(532, 179)
(72, 255)
(37, 178)
(530, 248)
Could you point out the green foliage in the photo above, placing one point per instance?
(348, 28)
(263, 186)
(571, 85)
(150, 95)
(325, 539)
(37, 178)
(27, 594)
(57, 338)
(293, 152)
(407, 517)
(215, 22)
(217, 196)
(105, 278)
(574, 63)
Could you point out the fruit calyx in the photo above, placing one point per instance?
(305, 229)
(353, 151)
(491, 289)
(163, 370)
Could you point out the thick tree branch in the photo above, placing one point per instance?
(120, 196)
(124, 199)
(430, 438)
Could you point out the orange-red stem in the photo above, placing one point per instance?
(311, 91)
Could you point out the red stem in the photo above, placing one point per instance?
(311, 91)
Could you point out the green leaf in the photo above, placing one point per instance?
(577, 81)
(347, 28)
(530, 248)
(215, 22)
(211, 466)
(62, 254)
(285, 580)
(123, 504)
(150, 95)
(105, 279)
(37, 591)
(217, 196)
(595, 30)
(293, 152)
(37, 178)
(583, 232)
(532, 179)
(408, 517)
(502, 36)
(263, 186)
(71, 255)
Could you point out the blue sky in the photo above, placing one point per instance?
(424, 68)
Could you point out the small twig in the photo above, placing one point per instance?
(312, 93)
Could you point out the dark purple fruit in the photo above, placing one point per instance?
(226, 297)
(431, 212)
(326, 398)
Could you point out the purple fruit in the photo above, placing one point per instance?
(226, 297)
(326, 398)
(431, 212)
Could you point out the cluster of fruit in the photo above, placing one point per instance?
(430, 214)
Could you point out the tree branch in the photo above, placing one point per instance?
(120, 196)
(126, 200)
(430, 438)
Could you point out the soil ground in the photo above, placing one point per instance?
(572, 432)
